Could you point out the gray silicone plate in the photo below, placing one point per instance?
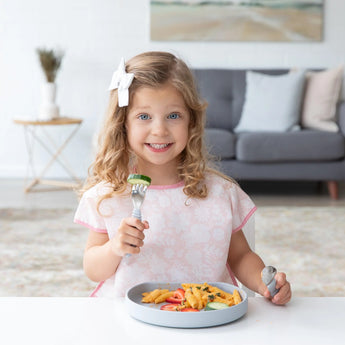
(151, 313)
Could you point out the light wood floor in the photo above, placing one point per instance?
(263, 194)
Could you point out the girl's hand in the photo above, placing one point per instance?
(284, 294)
(129, 237)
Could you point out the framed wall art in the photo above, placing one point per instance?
(237, 20)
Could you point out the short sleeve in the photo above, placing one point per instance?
(242, 207)
(87, 214)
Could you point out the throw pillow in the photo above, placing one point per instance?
(320, 100)
(272, 102)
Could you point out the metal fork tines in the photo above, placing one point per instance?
(138, 196)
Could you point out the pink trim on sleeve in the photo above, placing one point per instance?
(245, 220)
(93, 294)
(103, 231)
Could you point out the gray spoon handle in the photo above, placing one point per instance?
(267, 275)
(272, 288)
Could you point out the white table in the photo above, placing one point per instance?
(64, 321)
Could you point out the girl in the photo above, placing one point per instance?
(154, 126)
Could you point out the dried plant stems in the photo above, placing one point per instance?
(50, 62)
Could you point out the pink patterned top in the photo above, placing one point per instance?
(188, 240)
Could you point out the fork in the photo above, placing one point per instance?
(138, 196)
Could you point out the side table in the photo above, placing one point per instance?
(36, 131)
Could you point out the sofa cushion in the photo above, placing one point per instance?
(320, 100)
(272, 102)
(306, 145)
(220, 142)
(224, 90)
(215, 86)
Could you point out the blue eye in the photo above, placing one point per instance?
(174, 116)
(143, 117)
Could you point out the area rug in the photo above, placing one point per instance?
(42, 250)
(42, 253)
(307, 243)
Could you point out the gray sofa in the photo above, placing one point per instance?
(305, 155)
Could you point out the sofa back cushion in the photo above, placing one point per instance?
(216, 87)
(224, 90)
(321, 97)
(272, 102)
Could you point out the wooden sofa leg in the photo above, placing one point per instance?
(333, 189)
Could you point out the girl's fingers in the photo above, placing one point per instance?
(282, 299)
(284, 294)
(135, 223)
(280, 278)
(129, 249)
(132, 241)
(133, 232)
(123, 244)
(267, 293)
(133, 227)
(130, 235)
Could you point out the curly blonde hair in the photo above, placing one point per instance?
(114, 161)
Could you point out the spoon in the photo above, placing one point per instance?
(267, 276)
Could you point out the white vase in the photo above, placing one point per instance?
(48, 109)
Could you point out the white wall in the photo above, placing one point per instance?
(94, 35)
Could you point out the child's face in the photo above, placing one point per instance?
(157, 126)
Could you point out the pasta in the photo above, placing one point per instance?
(237, 297)
(195, 296)
(151, 296)
(161, 298)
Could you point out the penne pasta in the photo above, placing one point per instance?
(237, 297)
(161, 298)
(150, 298)
(197, 294)
(191, 299)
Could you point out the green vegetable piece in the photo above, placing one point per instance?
(139, 179)
(216, 306)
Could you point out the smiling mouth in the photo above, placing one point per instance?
(159, 146)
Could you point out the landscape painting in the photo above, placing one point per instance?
(237, 20)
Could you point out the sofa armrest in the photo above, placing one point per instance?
(341, 117)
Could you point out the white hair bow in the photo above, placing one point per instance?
(121, 81)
